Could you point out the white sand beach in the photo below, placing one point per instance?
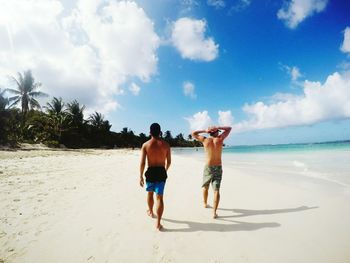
(87, 206)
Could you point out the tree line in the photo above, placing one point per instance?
(57, 124)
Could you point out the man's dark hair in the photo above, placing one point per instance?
(155, 130)
(214, 133)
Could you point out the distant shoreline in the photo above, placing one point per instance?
(281, 144)
(40, 146)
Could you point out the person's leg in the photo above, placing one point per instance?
(160, 209)
(205, 196)
(159, 190)
(216, 202)
(150, 203)
(216, 182)
(206, 182)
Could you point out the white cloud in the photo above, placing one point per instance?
(319, 102)
(240, 5)
(294, 72)
(188, 37)
(86, 53)
(295, 11)
(225, 118)
(202, 120)
(189, 90)
(199, 121)
(134, 89)
(188, 5)
(344, 65)
(216, 3)
(346, 43)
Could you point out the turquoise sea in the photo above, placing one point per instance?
(327, 162)
(290, 147)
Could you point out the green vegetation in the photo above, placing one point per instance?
(59, 123)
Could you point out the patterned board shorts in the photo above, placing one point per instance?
(213, 175)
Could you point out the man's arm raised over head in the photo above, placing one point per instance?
(198, 137)
(226, 129)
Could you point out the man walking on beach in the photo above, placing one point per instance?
(213, 168)
(158, 156)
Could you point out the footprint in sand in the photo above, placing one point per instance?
(2, 234)
(165, 259)
(155, 249)
(91, 259)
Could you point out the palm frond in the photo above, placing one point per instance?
(56, 106)
(19, 83)
(34, 103)
(14, 98)
(37, 85)
(38, 94)
(13, 91)
(15, 102)
(26, 91)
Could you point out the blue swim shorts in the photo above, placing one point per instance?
(157, 187)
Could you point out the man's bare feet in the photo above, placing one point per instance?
(206, 206)
(159, 227)
(215, 215)
(150, 213)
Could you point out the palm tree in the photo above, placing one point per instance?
(168, 137)
(128, 137)
(56, 107)
(26, 92)
(96, 120)
(3, 101)
(142, 138)
(75, 113)
(179, 138)
(124, 131)
(57, 116)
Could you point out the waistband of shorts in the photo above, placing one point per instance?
(213, 166)
(156, 168)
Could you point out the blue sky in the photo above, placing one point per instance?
(277, 71)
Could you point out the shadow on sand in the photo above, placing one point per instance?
(245, 212)
(237, 225)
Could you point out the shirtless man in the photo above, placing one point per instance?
(213, 168)
(158, 155)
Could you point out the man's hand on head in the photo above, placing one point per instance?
(212, 129)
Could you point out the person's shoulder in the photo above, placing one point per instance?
(165, 143)
(145, 144)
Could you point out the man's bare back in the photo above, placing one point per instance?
(213, 149)
(213, 145)
(156, 151)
